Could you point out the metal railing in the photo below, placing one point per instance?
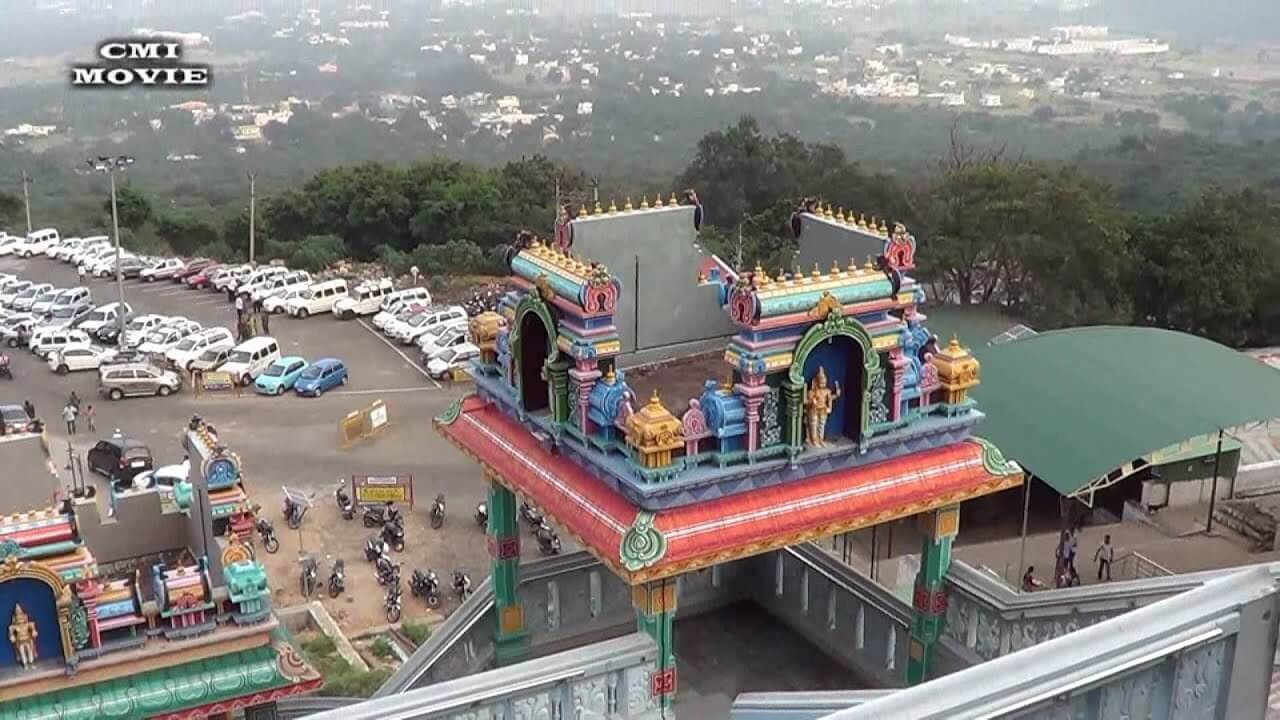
(1133, 565)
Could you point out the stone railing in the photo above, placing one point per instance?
(606, 679)
(799, 705)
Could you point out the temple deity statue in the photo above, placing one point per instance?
(819, 401)
(22, 636)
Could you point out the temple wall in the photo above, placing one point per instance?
(825, 242)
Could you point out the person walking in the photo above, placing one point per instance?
(266, 322)
(89, 415)
(239, 306)
(80, 272)
(1104, 555)
(31, 409)
(74, 400)
(69, 414)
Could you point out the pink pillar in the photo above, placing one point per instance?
(585, 374)
(753, 391)
(899, 363)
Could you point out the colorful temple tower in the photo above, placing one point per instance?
(837, 411)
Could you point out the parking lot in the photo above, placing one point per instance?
(289, 440)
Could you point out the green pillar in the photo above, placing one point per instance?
(793, 431)
(558, 379)
(511, 639)
(929, 606)
(655, 604)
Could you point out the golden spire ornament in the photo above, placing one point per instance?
(599, 210)
(657, 200)
(644, 202)
(673, 200)
(584, 212)
(613, 207)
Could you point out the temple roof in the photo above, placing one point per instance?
(642, 546)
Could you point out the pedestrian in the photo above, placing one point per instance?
(266, 322)
(239, 305)
(1029, 581)
(69, 414)
(231, 294)
(80, 272)
(257, 306)
(89, 415)
(1104, 554)
(31, 409)
(74, 400)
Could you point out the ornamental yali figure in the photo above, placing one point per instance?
(22, 636)
(819, 402)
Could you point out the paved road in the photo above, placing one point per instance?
(288, 440)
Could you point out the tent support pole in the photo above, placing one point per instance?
(1022, 547)
(1213, 493)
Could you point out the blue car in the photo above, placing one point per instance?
(280, 375)
(321, 375)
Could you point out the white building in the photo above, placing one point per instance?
(991, 100)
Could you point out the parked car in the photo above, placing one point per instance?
(192, 346)
(248, 359)
(318, 298)
(257, 277)
(210, 359)
(73, 358)
(395, 309)
(280, 285)
(201, 279)
(365, 299)
(280, 302)
(116, 356)
(68, 316)
(14, 419)
(450, 336)
(231, 276)
(44, 342)
(193, 267)
(279, 376)
(138, 328)
(17, 328)
(321, 375)
(161, 340)
(120, 460)
(452, 358)
(36, 242)
(25, 299)
(422, 324)
(163, 270)
(132, 267)
(13, 290)
(104, 315)
(118, 381)
(43, 302)
(72, 296)
(8, 244)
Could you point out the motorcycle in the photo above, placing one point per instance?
(391, 603)
(426, 586)
(482, 515)
(437, 512)
(5, 372)
(345, 506)
(337, 579)
(308, 576)
(268, 534)
(461, 585)
(531, 514)
(375, 515)
(375, 548)
(548, 541)
(294, 506)
(393, 535)
(388, 572)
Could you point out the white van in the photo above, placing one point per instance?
(215, 338)
(398, 301)
(37, 241)
(248, 359)
(47, 341)
(71, 297)
(409, 332)
(260, 276)
(53, 246)
(319, 298)
(366, 299)
(103, 316)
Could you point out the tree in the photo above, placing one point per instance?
(132, 207)
(317, 252)
(185, 231)
(10, 206)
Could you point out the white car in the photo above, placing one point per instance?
(28, 297)
(8, 244)
(36, 242)
(193, 346)
(11, 291)
(73, 358)
(102, 316)
(231, 277)
(138, 328)
(279, 302)
(46, 341)
(44, 301)
(259, 277)
(161, 340)
(280, 285)
(90, 252)
(167, 265)
(365, 299)
(185, 326)
(440, 340)
(398, 310)
(455, 357)
(425, 322)
(67, 316)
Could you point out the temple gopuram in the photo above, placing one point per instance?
(158, 611)
(836, 410)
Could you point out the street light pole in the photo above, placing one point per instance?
(109, 166)
(26, 198)
(252, 212)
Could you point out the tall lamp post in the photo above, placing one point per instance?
(110, 165)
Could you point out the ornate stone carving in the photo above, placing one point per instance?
(451, 413)
(994, 461)
(533, 707)
(879, 408)
(819, 402)
(1198, 682)
(1128, 699)
(79, 624)
(643, 544)
(771, 415)
(639, 699)
(590, 699)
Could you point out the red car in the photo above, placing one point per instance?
(201, 279)
(192, 268)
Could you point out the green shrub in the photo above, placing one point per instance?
(340, 679)
(381, 647)
(320, 646)
(317, 252)
(416, 632)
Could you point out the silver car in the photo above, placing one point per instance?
(118, 381)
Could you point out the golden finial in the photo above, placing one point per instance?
(884, 229)
(657, 200)
(599, 210)
(613, 207)
(870, 265)
(782, 274)
(840, 215)
(673, 200)
(796, 274)
(853, 265)
(726, 385)
(628, 207)
(654, 400)
(862, 220)
(583, 212)
(644, 202)
(816, 272)
(835, 267)
(766, 280)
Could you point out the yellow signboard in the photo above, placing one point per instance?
(216, 381)
(378, 489)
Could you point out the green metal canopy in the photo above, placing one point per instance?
(1072, 405)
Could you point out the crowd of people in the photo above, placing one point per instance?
(1065, 572)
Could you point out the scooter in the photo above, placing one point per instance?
(391, 603)
(461, 585)
(548, 541)
(294, 506)
(308, 576)
(375, 515)
(426, 586)
(437, 512)
(530, 514)
(268, 534)
(345, 506)
(374, 548)
(337, 579)
(482, 515)
(388, 572)
(393, 534)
